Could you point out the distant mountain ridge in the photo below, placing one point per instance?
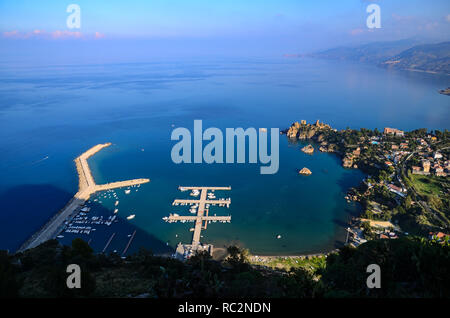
(407, 54)
(427, 58)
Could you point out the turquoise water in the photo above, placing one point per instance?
(49, 115)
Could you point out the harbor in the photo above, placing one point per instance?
(71, 212)
(201, 208)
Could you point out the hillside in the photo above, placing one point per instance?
(375, 52)
(411, 267)
(404, 54)
(428, 58)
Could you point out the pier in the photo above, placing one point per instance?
(86, 188)
(201, 220)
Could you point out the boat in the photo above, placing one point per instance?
(195, 193)
(116, 210)
(278, 236)
(117, 203)
(127, 191)
(130, 217)
(60, 236)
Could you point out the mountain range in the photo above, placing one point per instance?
(406, 54)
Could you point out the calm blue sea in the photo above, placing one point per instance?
(51, 114)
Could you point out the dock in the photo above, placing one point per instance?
(86, 188)
(201, 220)
(129, 243)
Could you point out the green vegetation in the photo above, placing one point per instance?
(428, 185)
(410, 267)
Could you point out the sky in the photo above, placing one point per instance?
(206, 27)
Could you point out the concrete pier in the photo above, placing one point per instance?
(200, 218)
(86, 187)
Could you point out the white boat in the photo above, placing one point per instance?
(195, 193)
(127, 191)
(117, 203)
(130, 217)
(116, 210)
(60, 236)
(278, 236)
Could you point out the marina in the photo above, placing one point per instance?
(71, 212)
(201, 219)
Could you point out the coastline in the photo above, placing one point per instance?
(86, 187)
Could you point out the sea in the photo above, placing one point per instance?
(50, 114)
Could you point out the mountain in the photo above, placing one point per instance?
(375, 52)
(428, 58)
(405, 54)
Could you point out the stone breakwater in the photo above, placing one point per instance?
(86, 187)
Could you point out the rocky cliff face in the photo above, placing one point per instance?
(305, 171)
(304, 130)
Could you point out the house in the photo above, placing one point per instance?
(416, 170)
(426, 166)
(396, 190)
(439, 171)
(438, 236)
(394, 131)
(437, 155)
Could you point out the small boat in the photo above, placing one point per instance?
(117, 203)
(130, 217)
(60, 236)
(278, 236)
(127, 191)
(116, 210)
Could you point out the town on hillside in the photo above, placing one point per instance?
(406, 190)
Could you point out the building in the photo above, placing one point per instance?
(439, 171)
(394, 131)
(438, 236)
(426, 166)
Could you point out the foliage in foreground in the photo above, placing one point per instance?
(410, 267)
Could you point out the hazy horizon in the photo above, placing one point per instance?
(138, 31)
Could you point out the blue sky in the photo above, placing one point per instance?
(281, 26)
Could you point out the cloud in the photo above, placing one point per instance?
(66, 34)
(11, 34)
(99, 35)
(54, 35)
(356, 32)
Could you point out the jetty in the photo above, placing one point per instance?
(201, 219)
(86, 188)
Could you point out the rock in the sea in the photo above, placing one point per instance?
(308, 149)
(305, 171)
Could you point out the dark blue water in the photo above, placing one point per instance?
(50, 115)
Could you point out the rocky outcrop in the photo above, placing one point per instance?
(304, 130)
(347, 162)
(308, 149)
(305, 171)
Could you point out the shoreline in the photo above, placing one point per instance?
(86, 187)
